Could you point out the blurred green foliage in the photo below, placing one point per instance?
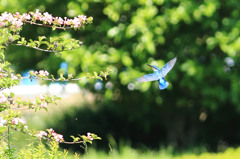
(201, 105)
(127, 152)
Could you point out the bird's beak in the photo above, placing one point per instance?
(149, 65)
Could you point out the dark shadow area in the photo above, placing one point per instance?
(152, 125)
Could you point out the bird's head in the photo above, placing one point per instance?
(155, 68)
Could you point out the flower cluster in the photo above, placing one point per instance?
(13, 77)
(87, 139)
(17, 20)
(89, 136)
(56, 136)
(42, 104)
(3, 98)
(41, 134)
(10, 77)
(47, 18)
(2, 121)
(20, 123)
(43, 101)
(51, 134)
(7, 79)
(13, 19)
(16, 121)
(41, 73)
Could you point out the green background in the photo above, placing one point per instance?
(201, 105)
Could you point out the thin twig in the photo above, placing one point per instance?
(65, 142)
(22, 108)
(59, 80)
(39, 24)
(8, 138)
(45, 50)
(45, 138)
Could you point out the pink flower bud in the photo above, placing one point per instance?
(58, 137)
(15, 121)
(3, 99)
(2, 121)
(89, 136)
(41, 134)
(43, 104)
(21, 120)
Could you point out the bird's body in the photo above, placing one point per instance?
(159, 74)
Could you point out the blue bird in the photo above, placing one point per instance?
(159, 74)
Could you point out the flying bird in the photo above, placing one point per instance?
(159, 74)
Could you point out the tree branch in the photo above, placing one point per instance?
(45, 50)
(45, 25)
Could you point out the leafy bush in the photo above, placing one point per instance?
(10, 120)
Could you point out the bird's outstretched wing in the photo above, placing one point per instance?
(148, 77)
(167, 67)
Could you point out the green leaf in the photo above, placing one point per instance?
(40, 38)
(37, 108)
(22, 42)
(2, 56)
(48, 99)
(32, 74)
(32, 43)
(95, 137)
(61, 77)
(2, 129)
(89, 20)
(75, 139)
(70, 76)
(98, 77)
(16, 37)
(86, 139)
(95, 74)
(55, 98)
(54, 27)
(52, 77)
(12, 94)
(45, 108)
